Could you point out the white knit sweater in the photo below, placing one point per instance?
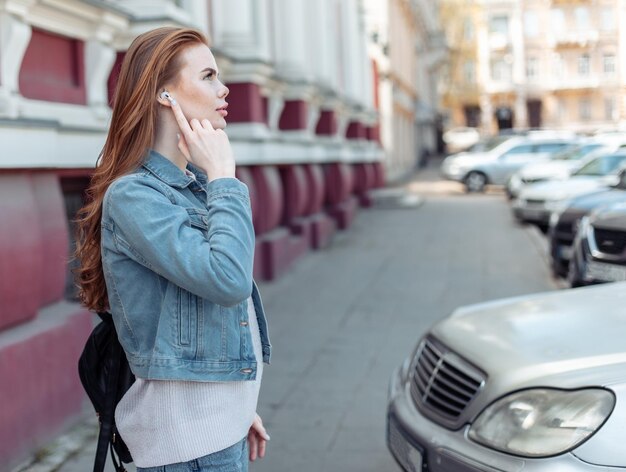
(165, 422)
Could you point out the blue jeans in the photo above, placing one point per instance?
(231, 459)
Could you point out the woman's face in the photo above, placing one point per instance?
(198, 89)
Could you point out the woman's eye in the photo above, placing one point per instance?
(210, 76)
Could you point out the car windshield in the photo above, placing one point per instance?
(603, 165)
(577, 152)
(488, 144)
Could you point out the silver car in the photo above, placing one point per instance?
(532, 383)
(498, 162)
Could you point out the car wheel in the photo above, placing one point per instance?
(475, 181)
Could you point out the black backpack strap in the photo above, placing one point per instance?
(108, 415)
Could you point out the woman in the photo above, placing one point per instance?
(166, 244)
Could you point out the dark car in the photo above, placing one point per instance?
(599, 251)
(563, 225)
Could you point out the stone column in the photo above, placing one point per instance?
(99, 59)
(14, 38)
(241, 31)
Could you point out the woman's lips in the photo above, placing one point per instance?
(222, 110)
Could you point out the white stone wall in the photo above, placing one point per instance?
(293, 49)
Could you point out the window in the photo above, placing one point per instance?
(469, 72)
(584, 109)
(610, 108)
(531, 24)
(558, 21)
(551, 147)
(608, 64)
(500, 71)
(607, 19)
(532, 67)
(522, 149)
(583, 65)
(559, 65)
(602, 165)
(582, 18)
(499, 24)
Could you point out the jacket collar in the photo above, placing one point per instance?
(168, 172)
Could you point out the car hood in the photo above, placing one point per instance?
(612, 217)
(553, 339)
(548, 169)
(596, 199)
(562, 189)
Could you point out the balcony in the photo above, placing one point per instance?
(577, 83)
(576, 39)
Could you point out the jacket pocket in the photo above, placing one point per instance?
(184, 317)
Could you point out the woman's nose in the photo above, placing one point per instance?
(224, 92)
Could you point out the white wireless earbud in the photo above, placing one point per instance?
(166, 96)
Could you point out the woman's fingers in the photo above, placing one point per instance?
(252, 445)
(183, 124)
(207, 124)
(257, 425)
(261, 447)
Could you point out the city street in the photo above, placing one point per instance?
(343, 318)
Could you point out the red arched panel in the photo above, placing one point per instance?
(295, 188)
(54, 236)
(270, 195)
(315, 183)
(21, 250)
(245, 175)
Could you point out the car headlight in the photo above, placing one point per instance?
(542, 422)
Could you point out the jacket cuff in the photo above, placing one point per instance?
(225, 186)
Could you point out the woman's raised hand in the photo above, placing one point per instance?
(205, 147)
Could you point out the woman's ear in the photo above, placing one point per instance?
(165, 98)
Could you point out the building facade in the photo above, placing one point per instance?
(407, 49)
(302, 121)
(535, 63)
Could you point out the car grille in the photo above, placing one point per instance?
(443, 383)
(566, 227)
(610, 241)
(528, 180)
(531, 201)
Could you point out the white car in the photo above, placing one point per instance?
(562, 164)
(537, 201)
(497, 163)
(534, 383)
(460, 138)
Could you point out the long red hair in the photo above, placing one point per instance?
(152, 60)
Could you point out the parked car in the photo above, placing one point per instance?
(560, 166)
(476, 169)
(538, 201)
(460, 138)
(599, 253)
(532, 383)
(564, 224)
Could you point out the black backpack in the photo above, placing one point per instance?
(106, 376)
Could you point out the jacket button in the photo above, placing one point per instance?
(246, 371)
(243, 323)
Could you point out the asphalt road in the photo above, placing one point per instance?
(343, 318)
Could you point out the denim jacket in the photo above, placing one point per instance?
(177, 254)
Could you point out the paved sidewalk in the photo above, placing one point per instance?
(343, 318)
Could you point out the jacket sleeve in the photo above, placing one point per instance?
(158, 234)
